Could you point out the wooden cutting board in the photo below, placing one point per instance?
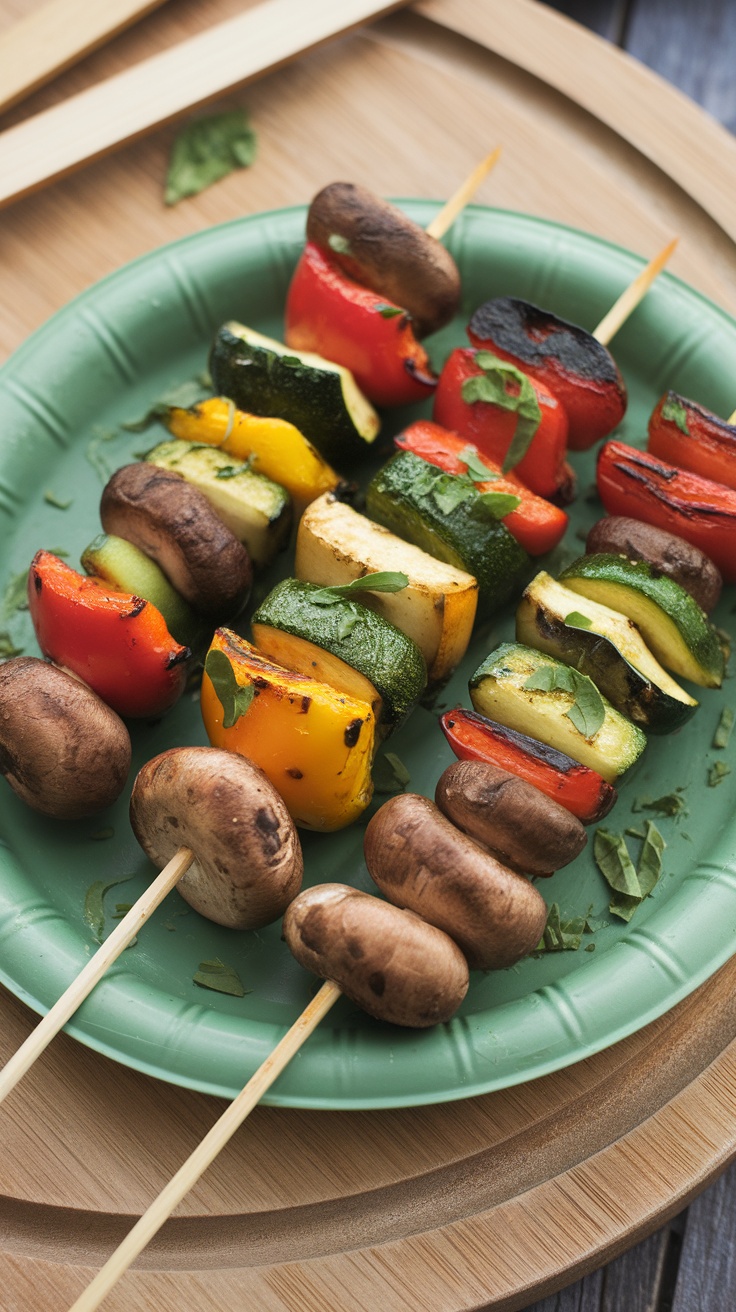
(494, 1201)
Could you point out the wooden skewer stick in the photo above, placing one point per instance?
(464, 194)
(106, 954)
(629, 299)
(204, 1154)
(731, 418)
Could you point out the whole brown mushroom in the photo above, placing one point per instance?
(392, 964)
(174, 524)
(62, 749)
(247, 857)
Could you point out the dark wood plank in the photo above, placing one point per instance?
(606, 17)
(585, 1296)
(706, 1280)
(692, 45)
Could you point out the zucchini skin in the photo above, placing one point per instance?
(674, 618)
(374, 647)
(465, 537)
(261, 382)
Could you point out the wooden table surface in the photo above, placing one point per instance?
(690, 1264)
(491, 1202)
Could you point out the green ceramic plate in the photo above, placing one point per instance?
(63, 396)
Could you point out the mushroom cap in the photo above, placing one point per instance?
(62, 749)
(174, 524)
(385, 250)
(392, 964)
(248, 860)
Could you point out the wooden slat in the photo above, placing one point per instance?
(55, 36)
(692, 46)
(606, 17)
(707, 1273)
(159, 89)
(639, 105)
(584, 1296)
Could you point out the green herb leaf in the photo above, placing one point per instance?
(122, 909)
(451, 490)
(51, 499)
(587, 712)
(676, 413)
(100, 835)
(479, 472)
(611, 855)
(381, 581)
(208, 149)
(672, 804)
(390, 775)
(498, 504)
(8, 648)
(649, 866)
(629, 886)
(722, 734)
(348, 623)
(15, 596)
(233, 697)
(504, 385)
(94, 908)
(183, 396)
(717, 773)
(339, 244)
(564, 935)
(575, 620)
(389, 311)
(232, 471)
(216, 975)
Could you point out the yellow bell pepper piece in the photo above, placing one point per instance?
(275, 447)
(315, 744)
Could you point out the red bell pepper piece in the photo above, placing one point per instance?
(635, 483)
(536, 524)
(693, 438)
(579, 789)
(328, 313)
(581, 373)
(117, 643)
(492, 426)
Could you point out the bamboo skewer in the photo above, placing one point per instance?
(206, 1151)
(444, 220)
(106, 954)
(57, 35)
(630, 298)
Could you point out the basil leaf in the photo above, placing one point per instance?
(498, 504)
(101, 835)
(8, 648)
(564, 935)
(94, 909)
(611, 855)
(450, 491)
(381, 581)
(649, 866)
(16, 594)
(220, 978)
(542, 679)
(504, 385)
(339, 244)
(183, 396)
(575, 620)
(389, 311)
(717, 773)
(51, 499)
(725, 726)
(479, 472)
(348, 623)
(232, 471)
(206, 150)
(675, 412)
(672, 804)
(390, 775)
(233, 697)
(587, 711)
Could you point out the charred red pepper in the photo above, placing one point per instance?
(536, 524)
(329, 314)
(703, 512)
(581, 373)
(117, 643)
(523, 428)
(579, 789)
(693, 438)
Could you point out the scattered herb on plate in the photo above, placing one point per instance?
(724, 729)
(207, 149)
(220, 978)
(629, 885)
(390, 775)
(717, 773)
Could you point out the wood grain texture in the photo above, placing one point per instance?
(496, 1201)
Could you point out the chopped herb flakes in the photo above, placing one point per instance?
(100, 835)
(338, 243)
(476, 470)
(717, 773)
(498, 504)
(8, 648)
(725, 726)
(389, 311)
(504, 385)
(575, 620)
(629, 885)
(672, 805)
(381, 581)
(390, 775)
(676, 413)
(16, 594)
(233, 697)
(564, 935)
(208, 149)
(587, 711)
(181, 397)
(51, 499)
(220, 978)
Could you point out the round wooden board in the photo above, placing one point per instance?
(491, 1202)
